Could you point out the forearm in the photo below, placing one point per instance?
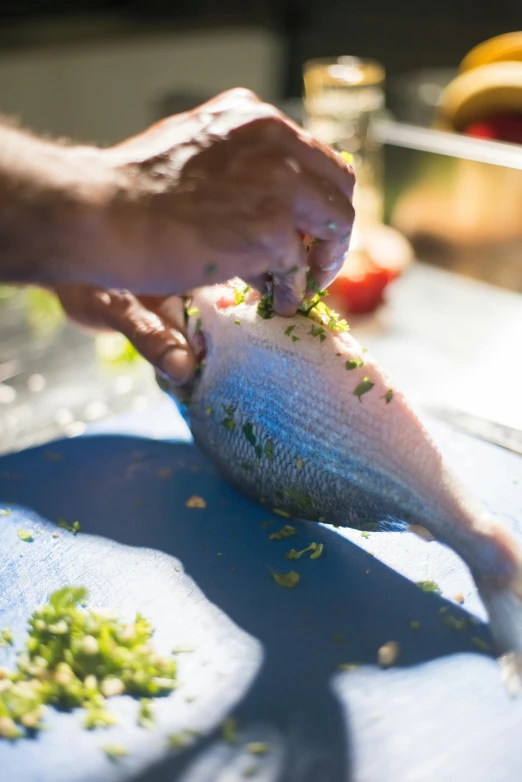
(52, 200)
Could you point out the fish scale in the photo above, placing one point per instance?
(365, 456)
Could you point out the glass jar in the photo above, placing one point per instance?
(341, 97)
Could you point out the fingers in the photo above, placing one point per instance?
(154, 334)
(325, 260)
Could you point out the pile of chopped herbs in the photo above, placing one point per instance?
(77, 657)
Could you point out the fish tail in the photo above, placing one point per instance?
(503, 600)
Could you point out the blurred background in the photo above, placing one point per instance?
(387, 91)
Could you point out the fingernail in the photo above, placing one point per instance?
(178, 365)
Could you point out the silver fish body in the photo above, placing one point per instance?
(300, 417)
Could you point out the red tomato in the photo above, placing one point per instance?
(360, 284)
(500, 127)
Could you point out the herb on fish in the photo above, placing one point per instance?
(287, 580)
(229, 424)
(365, 534)
(246, 465)
(192, 311)
(195, 502)
(299, 464)
(414, 624)
(210, 268)
(74, 527)
(115, 751)
(363, 387)
(248, 431)
(285, 532)
(293, 554)
(76, 658)
(239, 296)
(289, 330)
(388, 396)
(317, 331)
(229, 730)
(304, 502)
(258, 747)
(429, 586)
(25, 535)
(354, 363)
(268, 450)
(295, 339)
(5, 511)
(237, 321)
(265, 308)
(209, 410)
(6, 637)
(230, 410)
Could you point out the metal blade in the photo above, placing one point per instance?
(492, 432)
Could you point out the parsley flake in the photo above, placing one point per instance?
(285, 532)
(286, 580)
(25, 535)
(354, 363)
(363, 387)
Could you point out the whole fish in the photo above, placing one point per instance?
(299, 416)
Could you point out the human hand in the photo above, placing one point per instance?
(154, 325)
(222, 191)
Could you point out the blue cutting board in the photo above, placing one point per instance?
(266, 655)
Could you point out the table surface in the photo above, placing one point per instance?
(270, 656)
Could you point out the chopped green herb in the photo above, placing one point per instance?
(248, 431)
(287, 580)
(267, 524)
(5, 511)
(289, 330)
(146, 715)
(480, 644)
(210, 268)
(74, 527)
(265, 308)
(76, 658)
(246, 465)
(181, 739)
(365, 535)
(455, 624)
(295, 339)
(115, 751)
(299, 464)
(239, 296)
(230, 410)
(414, 624)
(25, 535)
(348, 667)
(6, 638)
(192, 311)
(429, 586)
(229, 730)
(354, 363)
(363, 387)
(258, 747)
(285, 532)
(316, 331)
(209, 410)
(229, 424)
(237, 321)
(268, 450)
(388, 396)
(282, 513)
(315, 548)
